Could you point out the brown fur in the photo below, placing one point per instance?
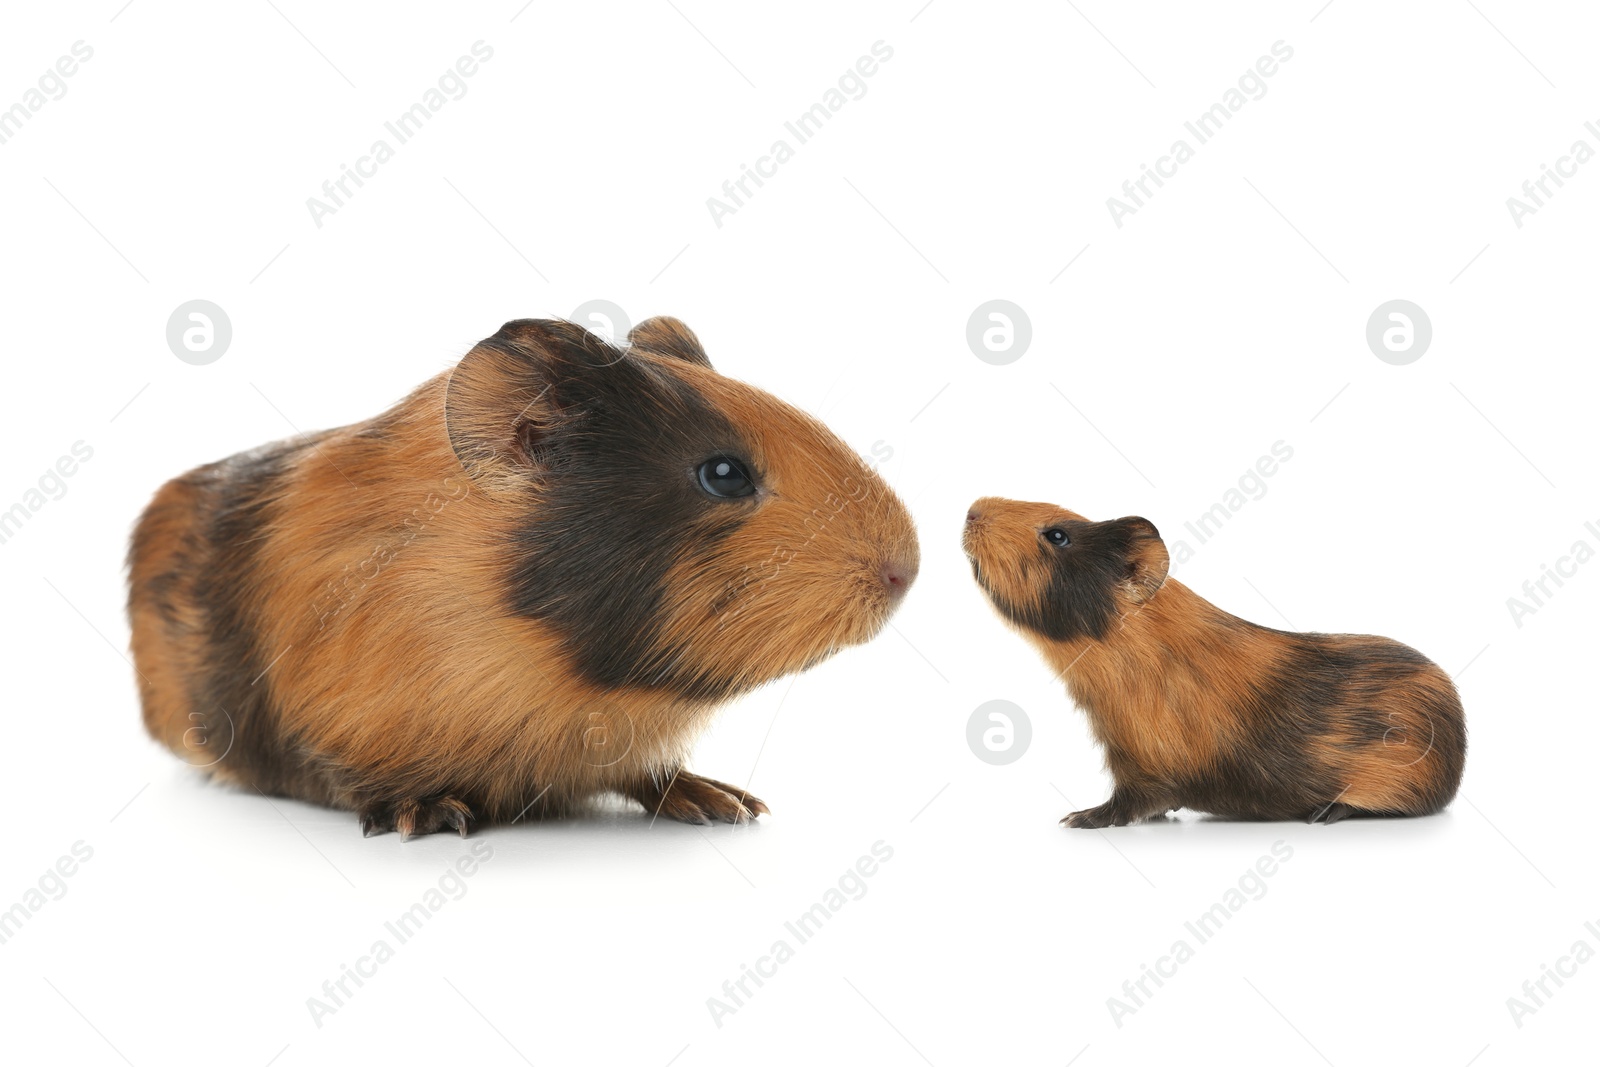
(370, 586)
(1198, 708)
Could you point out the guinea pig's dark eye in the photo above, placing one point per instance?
(1057, 536)
(724, 476)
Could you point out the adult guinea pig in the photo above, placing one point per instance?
(1199, 709)
(531, 581)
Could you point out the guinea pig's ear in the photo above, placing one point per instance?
(1147, 557)
(502, 400)
(666, 336)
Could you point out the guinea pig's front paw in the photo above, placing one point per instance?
(1095, 818)
(691, 798)
(413, 817)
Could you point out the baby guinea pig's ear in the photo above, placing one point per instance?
(1147, 557)
(502, 398)
(666, 336)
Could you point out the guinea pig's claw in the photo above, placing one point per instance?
(1331, 813)
(1095, 818)
(692, 799)
(412, 818)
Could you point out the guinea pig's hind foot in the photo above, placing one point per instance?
(1331, 813)
(413, 817)
(693, 799)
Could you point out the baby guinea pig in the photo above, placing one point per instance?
(1199, 709)
(529, 582)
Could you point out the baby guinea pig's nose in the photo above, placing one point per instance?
(898, 574)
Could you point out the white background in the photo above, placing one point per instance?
(1228, 314)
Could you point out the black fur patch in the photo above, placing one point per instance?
(231, 693)
(165, 589)
(1080, 597)
(1273, 776)
(619, 506)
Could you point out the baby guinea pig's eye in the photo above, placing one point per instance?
(1057, 536)
(725, 477)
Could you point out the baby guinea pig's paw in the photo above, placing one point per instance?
(691, 798)
(413, 817)
(1128, 804)
(1095, 818)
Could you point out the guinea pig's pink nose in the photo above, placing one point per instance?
(898, 574)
